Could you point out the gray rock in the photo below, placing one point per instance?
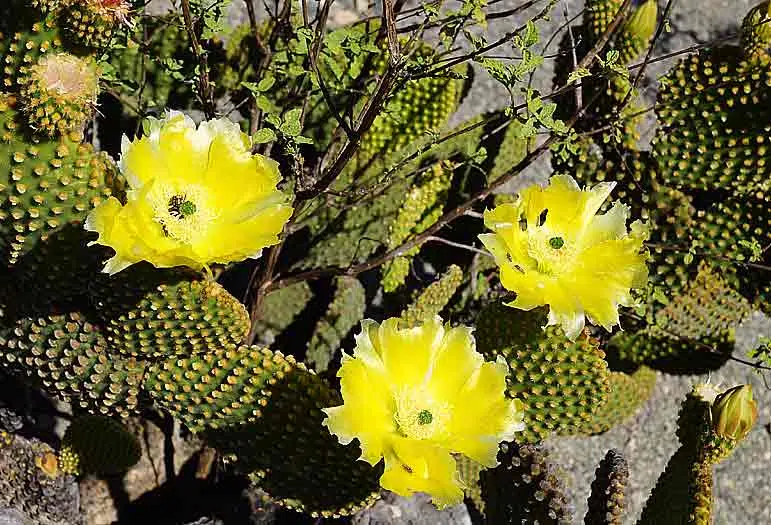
(417, 510)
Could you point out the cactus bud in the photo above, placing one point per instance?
(734, 412)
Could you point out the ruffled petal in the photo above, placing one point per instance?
(408, 353)
(368, 409)
(455, 360)
(482, 416)
(416, 466)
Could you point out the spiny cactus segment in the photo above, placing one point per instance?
(628, 393)
(99, 445)
(421, 207)
(44, 183)
(562, 383)
(155, 313)
(524, 488)
(264, 409)
(434, 298)
(343, 314)
(607, 499)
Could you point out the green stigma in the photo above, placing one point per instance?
(556, 242)
(180, 207)
(187, 208)
(425, 417)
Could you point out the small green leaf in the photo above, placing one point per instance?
(291, 125)
(266, 83)
(577, 74)
(263, 135)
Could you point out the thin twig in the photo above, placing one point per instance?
(204, 86)
(466, 247)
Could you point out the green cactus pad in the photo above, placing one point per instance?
(92, 23)
(421, 106)
(705, 313)
(628, 392)
(45, 184)
(714, 111)
(155, 313)
(22, 50)
(279, 309)
(606, 501)
(420, 209)
(434, 298)
(67, 357)
(264, 409)
(60, 93)
(562, 383)
(102, 445)
(344, 313)
(524, 489)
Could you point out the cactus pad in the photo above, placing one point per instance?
(102, 445)
(344, 312)
(714, 114)
(628, 392)
(524, 488)
(44, 184)
(68, 357)
(265, 410)
(562, 383)
(60, 93)
(434, 298)
(156, 313)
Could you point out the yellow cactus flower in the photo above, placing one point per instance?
(553, 248)
(196, 196)
(416, 396)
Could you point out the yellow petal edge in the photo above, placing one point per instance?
(196, 196)
(415, 398)
(553, 248)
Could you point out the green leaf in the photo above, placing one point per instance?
(266, 83)
(578, 74)
(291, 125)
(263, 135)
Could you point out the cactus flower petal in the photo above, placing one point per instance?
(415, 396)
(553, 248)
(196, 196)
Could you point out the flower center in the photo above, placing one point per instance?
(180, 207)
(183, 214)
(419, 416)
(551, 252)
(556, 242)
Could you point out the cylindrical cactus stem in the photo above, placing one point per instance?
(606, 502)
(263, 409)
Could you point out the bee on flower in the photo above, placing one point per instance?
(196, 196)
(416, 396)
(554, 249)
